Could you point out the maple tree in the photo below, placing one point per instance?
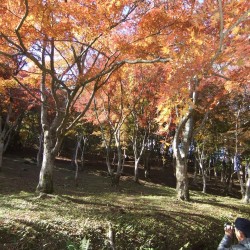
(142, 102)
(68, 55)
(201, 53)
(125, 110)
(111, 112)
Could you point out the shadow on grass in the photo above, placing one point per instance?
(135, 226)
(174, 230)
(26, 235)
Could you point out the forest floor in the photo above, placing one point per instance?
(139, 216)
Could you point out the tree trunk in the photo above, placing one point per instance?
(119, 160)
(223, 173)
(195, 172)
(84, 140)
(180, 153)
(117, 176)
(182, 188)
(230, 186)
(78, 146)
(247, 193)
(228, 180)
(215, 172)
(136, 177)
(182, 180)
(40, 151)
(123, 160)
(110, 170)
(204, 179)
(183, 135)
(240, 178)
(209, 169)
(7, 142)
(1, 153)
(146, 164)
(45, 184)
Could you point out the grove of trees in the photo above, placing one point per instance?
(132, 77)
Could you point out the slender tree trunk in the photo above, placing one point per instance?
(45, 184)
(6, 129)
(114, 159)
(110, 170)
(209, 169)
(1, 153)
(1, 142)
(247, 193)
(136, 176)
(78, 146)
(107, 142)
(239, 171)
(230, 186)
(195, 172)
(204, 178)
(123, 160)
(117, 176)
(40, 151)
(146, 164)
(223, 173)
(7, 142)
(228, 180)
(83, 149)
(215, 172)
(137, 156)
(242, 189)
(111, 237)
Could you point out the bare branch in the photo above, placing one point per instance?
(21, 24)
(221, 76)
(117, 65)
(240, 19)
(224, 34)
(27, 89)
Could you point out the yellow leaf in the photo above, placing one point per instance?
(165, 50)
(235, 30)
(192, 35)
(199, 41)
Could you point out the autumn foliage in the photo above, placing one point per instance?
(168, 62)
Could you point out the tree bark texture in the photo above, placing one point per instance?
(39, 156)
(180, 154)
(136, 177)
(146, 164)
(182, 188)
(247, 193)
(1, 153)
(45, 184)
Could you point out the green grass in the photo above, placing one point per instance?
(145, 216)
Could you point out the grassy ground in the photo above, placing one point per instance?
(145, 216)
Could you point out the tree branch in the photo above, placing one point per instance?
(21, 24)
(119, 64)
